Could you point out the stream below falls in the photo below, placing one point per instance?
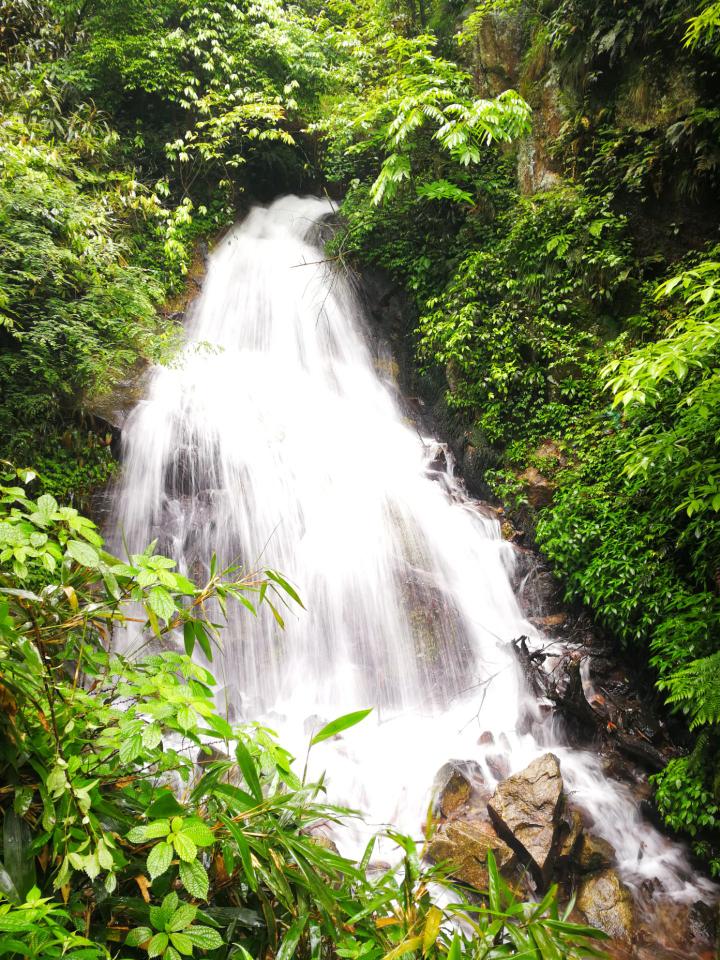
(276, 438)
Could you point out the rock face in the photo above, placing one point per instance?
(607, 904)
(465, 845)
(525, 810)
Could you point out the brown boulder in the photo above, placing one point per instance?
(525, 810)
(464, 845)
(607, 904)
(454, 785)
(594, 854)
(538, 489)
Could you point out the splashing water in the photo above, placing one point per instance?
(275, 440)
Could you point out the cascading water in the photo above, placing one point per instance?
(275, 440)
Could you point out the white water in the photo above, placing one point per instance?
(276, 441)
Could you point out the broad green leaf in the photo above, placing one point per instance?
(157, 945)
(161, 603)
(83, 553)
(200, 834)
(184, 847)
(204, 937)
(195, 879)
(182, 943)
(159, 859)
(150, 831)
(166, 805)
(183, 917)
(138, 936)
(189, 636)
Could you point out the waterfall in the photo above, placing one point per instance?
(275, 439)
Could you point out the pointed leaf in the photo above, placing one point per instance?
(340, 724)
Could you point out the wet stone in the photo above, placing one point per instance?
(498, 765)
(465, 846)
(453, 786)
(571, 833)
(525, 810)
(595, 854)
(606, 903)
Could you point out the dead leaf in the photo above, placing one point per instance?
(144, 885)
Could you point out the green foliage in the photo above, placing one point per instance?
(516, 324)
(418, 92)
(677, 375)
(123, 779)
(704, 28)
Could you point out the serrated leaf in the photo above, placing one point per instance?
(200, 834)
(83, 554)
(184, 846)
(157, 945)
(194, 878)
(159, 859)
(204, 937)
(160, 601)
(150, 831)
(183, 917)
(130, 748)
(182, 943)
(151, 736)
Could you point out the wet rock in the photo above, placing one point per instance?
(465, 846)
(550, 623)
(453, 786)
(525, 810)
(595, 854)
(571, 837)
(703, 922)
(486, 738)
(606, 903)
(498, 765)
(538, 489)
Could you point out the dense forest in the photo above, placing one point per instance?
(540, 179)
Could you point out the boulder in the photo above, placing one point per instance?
(594, 854)
(453, 786)
(606, 903)
(525, 810)
(465, 846)
(538, 489)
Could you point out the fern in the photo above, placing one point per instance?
(696, 689)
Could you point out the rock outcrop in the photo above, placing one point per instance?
(525, 810)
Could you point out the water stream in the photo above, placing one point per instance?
(276, 440)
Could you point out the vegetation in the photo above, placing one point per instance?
(559, 241)
(567, 321)
(138, 821)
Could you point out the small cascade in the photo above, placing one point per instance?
(275, 440)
